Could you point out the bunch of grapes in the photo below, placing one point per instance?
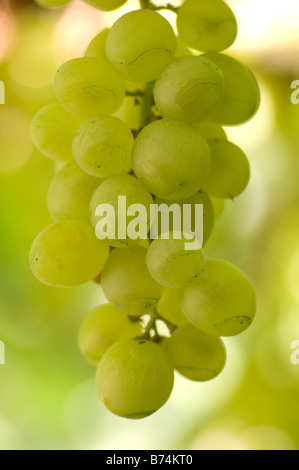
(141, 116)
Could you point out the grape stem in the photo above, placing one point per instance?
(148, 102)
(134, 319)
(136, 93)
(169, 325)
(147, 4)
(150, 326)
(168, 6)
(145, 98)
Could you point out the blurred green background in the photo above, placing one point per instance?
(47, 394)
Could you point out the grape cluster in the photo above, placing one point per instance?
(140, 116)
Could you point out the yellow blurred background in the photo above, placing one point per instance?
(47, 394)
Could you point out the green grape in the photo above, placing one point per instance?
(230, 170)
(218, 205)
(181, 48)
(222, 302)
(200, 197)
(207, 25)
(172, 265)
(52, 132)
(134, 378)
(103, 146)
(70, 193)
(189, 89)
(241, 98)
(106, 5)
(132, 109)
(103, 327)
(211, 130)
(196, 355)
(145, 243)
(171, 159)
(127, 284)
(52, 3)
(67, 254)
(168, 307)
(59, 165)
(97, 47)
(117, 225)
(88, 86)
(162, 342)
(140, 45)
(131, 112)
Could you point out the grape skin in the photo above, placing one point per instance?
(97, 47)
(70, 193)
(106, 5)
(52, 3)
(88, 86)
(171, 159)
(201, 197)
(127, 284)
(241, 97)
(134, 378)
(103, 327)
(230, 170)
(181, 48)
(211, 130)
(102, 146)
(206, 25)
(170, 264)
(131, 113)
(67, 254)
(168, 307)
(52, 132)
(108, 193)
(140, 45)
(189, 89)
(222, 302)
(196, 355)
(218, 205)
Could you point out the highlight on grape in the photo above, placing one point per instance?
(143, 171)
(160, 215)
(2, 92)
(2, 353)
